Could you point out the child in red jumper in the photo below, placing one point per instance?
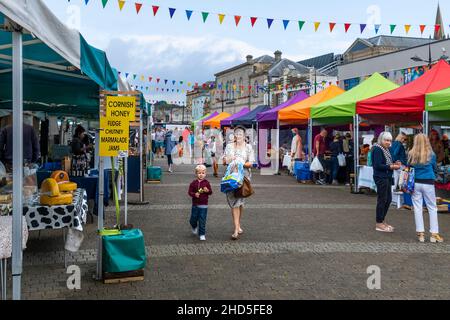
(199, 190)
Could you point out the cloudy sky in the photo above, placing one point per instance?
(192, 51)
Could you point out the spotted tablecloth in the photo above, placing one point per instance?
(6, 236)
(73, 216)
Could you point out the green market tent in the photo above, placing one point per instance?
(62, 73)
(340, 110)
(438, 106)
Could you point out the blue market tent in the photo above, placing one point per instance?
(249, 119)
(62, 73)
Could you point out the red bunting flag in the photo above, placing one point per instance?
(253, 20)
(155, 10)
(437, 28)
(347, 26)
(138, 7)
(237, 19)
(422, 28)
(332, 25)
(150, 79)
(157, 80)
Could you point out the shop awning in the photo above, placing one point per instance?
(212, 115)
(249, 119)
(62, 72)
(341, 109)
(407, 101)
(272, 114)
(215, 122)
(227, 122)
(299, 113)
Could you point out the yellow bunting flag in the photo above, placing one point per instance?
(316, 26)
(121, 4)
(407, 28)
(221, 17)
(142, 78)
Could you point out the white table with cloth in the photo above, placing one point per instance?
(6, 248)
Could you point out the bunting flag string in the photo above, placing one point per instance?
(270, 21)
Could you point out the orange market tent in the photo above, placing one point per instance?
(299, 112)
(215, 122)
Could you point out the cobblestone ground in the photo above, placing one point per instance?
(300, 242)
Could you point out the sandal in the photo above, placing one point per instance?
(241, 231)
(234, 237)
(384, 229)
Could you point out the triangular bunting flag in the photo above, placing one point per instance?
(138, 7)
(171, 12)
(142, 78)
(362, 27)
(155, 10)
(237, 19)
(392, 27)
(189, 14)
(126, 75)
(205, 16)
(407, 28)
(150, 79)
(181, 83)
(189, 84)
(221, 17)
(104, 2)
(121, 4)
(316, 26)
(269, 23)
(253, 20)
(173, 82)
(165, 81)
(422, 28)
(285, 24)
(332, 25)
(157, 80)
(347, 26)
(377, 28)
(300, 25)
(86, 2)
(437, 28)
(134, 76)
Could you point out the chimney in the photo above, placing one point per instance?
(249, 58)
(278, 54)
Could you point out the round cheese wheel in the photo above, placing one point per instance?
(60, 176)
(50, 187)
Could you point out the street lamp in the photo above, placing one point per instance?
(430, 61)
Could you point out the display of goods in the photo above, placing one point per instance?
(50, 187)
(62, 199)
(67, 186)
(60, 176)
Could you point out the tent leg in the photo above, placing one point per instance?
(125, 172)
(277, 150)
(425, 123)
(17, 254)
(101, 183)
(356, 151)
(310, 141)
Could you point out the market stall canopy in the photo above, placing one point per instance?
(407, 102)
(62, 72)
(299, 113)
(227, 122)
(272, 114)
(438, 105)
(249, 119)
(212, 115)
(215, 122)
(341, 109)
(201, 119)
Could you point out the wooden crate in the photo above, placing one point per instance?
(122, 277)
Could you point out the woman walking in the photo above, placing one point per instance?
(241, 152)
(169, 145)
(212, 149)
(423, 160)
(383, 167)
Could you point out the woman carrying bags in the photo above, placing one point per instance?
(383, 167)
(423, 160)
(242, 152)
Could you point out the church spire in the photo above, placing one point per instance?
(439, 35)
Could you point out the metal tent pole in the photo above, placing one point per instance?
(125, 173)
(101, 182)
(356, 150)
(425, 123)
(310, 140)
(277, 153)
(17, 254)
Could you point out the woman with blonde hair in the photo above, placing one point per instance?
(423, 160)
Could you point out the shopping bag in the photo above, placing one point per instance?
(233, 178)
(316, 166)
(408, 180)
(341, 160)
(287, 159)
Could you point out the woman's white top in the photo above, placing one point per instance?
(243, 155)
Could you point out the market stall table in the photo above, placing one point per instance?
(6, 248)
